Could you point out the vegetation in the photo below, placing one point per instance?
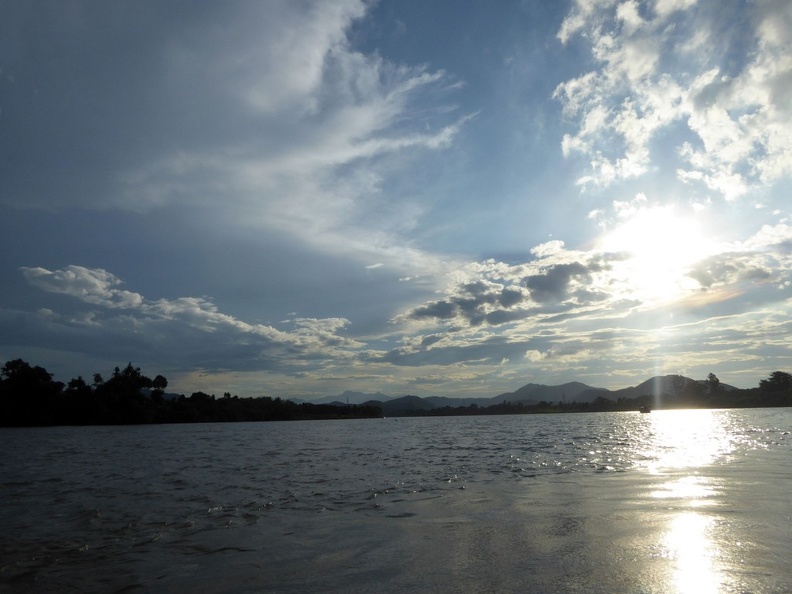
(29, 396)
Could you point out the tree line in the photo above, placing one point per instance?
(30, 396)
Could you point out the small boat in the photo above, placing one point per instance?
(645, 408)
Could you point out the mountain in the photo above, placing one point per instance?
(669, 386)
(353, 398)
(528, 394)
(569, 392)
(405, 404)
(661, 385)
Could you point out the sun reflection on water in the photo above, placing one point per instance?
(696, 491)
(689, 545)
(680, 439)
(680, 445)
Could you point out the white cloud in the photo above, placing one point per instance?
(771, 237)
(664, 8)
(322, 183)
(262, 116)
(579, 16)
(656, 71)
(97, 287)
(569, 309)
(627, 12)
(548, 248)
(326, 117)
(186, 323)
(534, 356)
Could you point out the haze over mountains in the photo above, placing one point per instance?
(529, 394)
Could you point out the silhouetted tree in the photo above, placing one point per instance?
(28, 395)
(159, 383)
(19, 373)
(122, 396)
(713, 383)
(77, 386)
(778, 381)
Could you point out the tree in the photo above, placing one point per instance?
(122, 399)
(78, 387)
(201, 397)
(21, 373)
(779, 381)
(159, 383)
(28, 395)
(713, 383)
(127, 382)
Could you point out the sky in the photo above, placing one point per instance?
(296, 198)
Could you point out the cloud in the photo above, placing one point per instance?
(553, 284)
(97, 287)
(669, 69)
(548, 248)
(475, 303)
(190, 329)
(321, 181)
(494, 293)
(766, 258)
(269, 159)
(560, 312)
(261, 117)
(566, 308)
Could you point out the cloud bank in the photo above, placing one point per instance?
(191, 328)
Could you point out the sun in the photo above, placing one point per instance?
(659, 246)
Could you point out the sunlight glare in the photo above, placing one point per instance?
(661, 246)
(687, 439)
(687, 542)
(680, 446)
(697, 491)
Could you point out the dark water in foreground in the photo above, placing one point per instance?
(673, 501)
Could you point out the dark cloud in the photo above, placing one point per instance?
(494, 304)
(728, 268)
(554, 283)
(505, 316)
(511, 296)
(430, 340)
(477, 303)
(442, 310)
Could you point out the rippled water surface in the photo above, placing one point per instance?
(672, 501)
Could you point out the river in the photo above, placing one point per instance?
(691, 501)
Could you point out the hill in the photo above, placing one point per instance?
(673, 388)
(403, 405)
(350, 397)
(669, 386)
(569, 392)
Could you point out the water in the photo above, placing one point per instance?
(673, 501)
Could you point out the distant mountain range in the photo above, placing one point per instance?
(529, 394)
